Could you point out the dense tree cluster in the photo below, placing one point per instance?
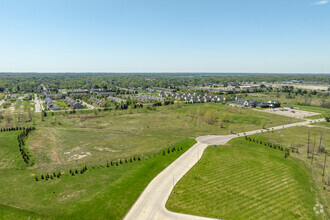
(30, 82)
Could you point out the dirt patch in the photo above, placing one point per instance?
(83, 116)
(76, 154)
(105, 149)
(79, 156)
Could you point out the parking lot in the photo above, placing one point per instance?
(291, 112)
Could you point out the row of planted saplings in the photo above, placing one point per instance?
(272, 145)
(74, 172)
(26, 154)
(12, 129)
(47, 176)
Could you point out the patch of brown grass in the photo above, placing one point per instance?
(83, 116)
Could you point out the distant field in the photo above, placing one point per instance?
(245, 180)
(298, 100)
(78, 139)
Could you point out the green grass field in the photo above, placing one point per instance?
(61, 139)
(297, 138)
(244, 180)
(100, 193)
(65, 141)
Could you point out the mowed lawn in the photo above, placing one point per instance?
(245, 180)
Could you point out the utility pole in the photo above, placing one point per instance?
(313, 153)
(325, 160)
(320, 143)
(308, 143)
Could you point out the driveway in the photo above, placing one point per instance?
(151, 203)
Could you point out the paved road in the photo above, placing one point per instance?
(151, 203)
(38, 104)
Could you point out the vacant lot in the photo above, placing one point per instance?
(102, 192)
(245, 180)
(68, 141)
(78, 139)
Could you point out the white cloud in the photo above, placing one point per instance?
(323, 2)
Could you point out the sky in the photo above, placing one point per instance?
(255, 36)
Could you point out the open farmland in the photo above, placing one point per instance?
(245, 180)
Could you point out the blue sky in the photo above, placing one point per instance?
(165, 36)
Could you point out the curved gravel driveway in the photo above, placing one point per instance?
(151, 203)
